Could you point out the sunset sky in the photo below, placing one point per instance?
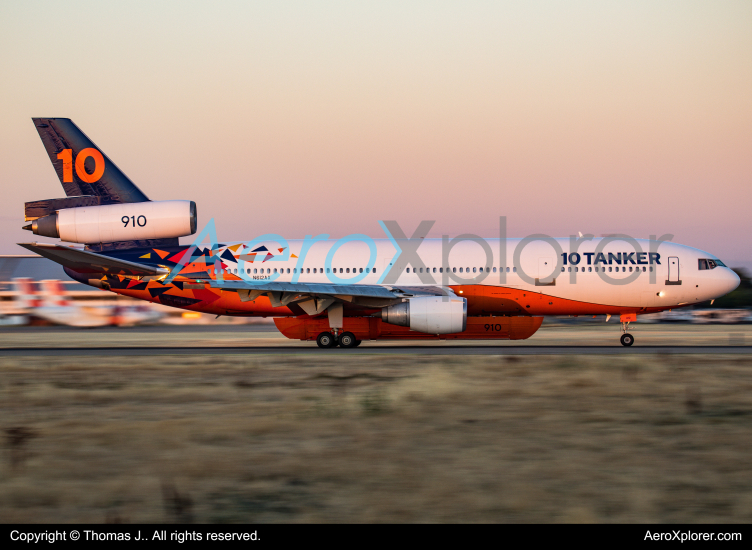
(325, 117)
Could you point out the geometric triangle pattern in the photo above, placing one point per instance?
(179, 256)
(157, 291)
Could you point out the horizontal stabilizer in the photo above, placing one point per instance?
(83, 261)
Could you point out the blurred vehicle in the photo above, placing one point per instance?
(724, 316)
(650, 318)
(125, 316)
(670, 316)
(699, 316)
(55, 294)
(677, 316)
(13, 320)
(52, 304)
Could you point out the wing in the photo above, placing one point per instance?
(314, 298)
(89, 262)
(364, 291)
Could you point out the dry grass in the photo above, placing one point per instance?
(376, 438)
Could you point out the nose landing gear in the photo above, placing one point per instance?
(626, 338)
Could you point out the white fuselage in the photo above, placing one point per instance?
(663, 276)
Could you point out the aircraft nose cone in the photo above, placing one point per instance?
(729, 280)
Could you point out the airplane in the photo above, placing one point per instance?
(52, 304)
(341, 292)
(55, 310)
(54, 295)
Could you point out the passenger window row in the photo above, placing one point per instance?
(281, 270)
(703, 264)
(603, 269)
(455, 269)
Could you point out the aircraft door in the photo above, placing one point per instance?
(673, 269)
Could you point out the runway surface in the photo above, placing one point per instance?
(377, 350)
(265, 340)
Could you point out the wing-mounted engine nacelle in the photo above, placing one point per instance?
(119, 222)
(429, 314)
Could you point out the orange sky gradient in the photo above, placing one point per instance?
(305, 118)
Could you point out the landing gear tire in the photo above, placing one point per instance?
(347, 340)
(627, 339)
(326, 340)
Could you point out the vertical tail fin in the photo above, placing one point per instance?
(53, 294)
(88, 173)
(26, 295)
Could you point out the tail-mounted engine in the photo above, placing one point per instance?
(118, 222)
(429, 314)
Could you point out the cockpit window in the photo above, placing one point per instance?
(709, 264)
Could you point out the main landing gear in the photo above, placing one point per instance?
(326, 340)
(626, 338)
(344, 340)
(347, 340)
